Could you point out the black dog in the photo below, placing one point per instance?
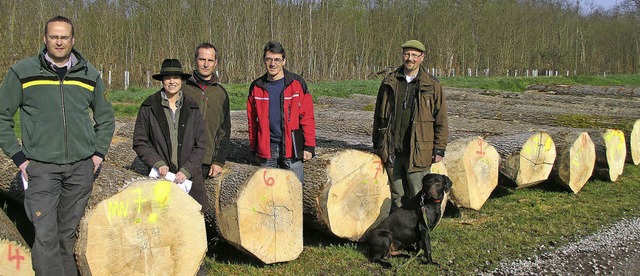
(406, 226)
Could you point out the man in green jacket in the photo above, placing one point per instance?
(213, 101)
(410, 127)
(67, 126)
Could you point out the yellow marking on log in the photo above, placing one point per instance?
(161, 192)
(117, 208)
(140, 200)
(547, 144)
(263, 198)
(153, 218)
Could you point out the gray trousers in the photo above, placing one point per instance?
(278, 161)
(55, 201)
(404, 185)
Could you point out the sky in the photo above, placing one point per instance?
(604, 3)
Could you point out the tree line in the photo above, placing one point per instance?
(335, 39)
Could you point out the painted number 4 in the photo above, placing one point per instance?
(17, 257)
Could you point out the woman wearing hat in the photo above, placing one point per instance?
(169, 131)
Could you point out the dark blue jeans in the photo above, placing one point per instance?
(278, 161)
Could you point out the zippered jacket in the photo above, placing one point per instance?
(62, 120)
(213, 102)
(429, 128)
(297, 113)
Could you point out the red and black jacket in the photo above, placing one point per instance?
(297, 113)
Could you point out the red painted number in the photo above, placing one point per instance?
(16, 257)
(268, 181)
(480, 152)
(378, 168)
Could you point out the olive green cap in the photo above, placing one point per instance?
(415, 45)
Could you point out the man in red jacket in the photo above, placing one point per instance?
(282, 128)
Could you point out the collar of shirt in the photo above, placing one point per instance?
(165, 99)
(70, 63)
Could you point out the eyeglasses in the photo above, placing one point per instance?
(276, 60)
(58, 37)
(412, 55)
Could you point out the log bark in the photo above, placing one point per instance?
(151, 227)
(259, 211)
(526, 159)
(584, 90)
(611, 152)
(633, 144)
(472, 165)
(14, 251)
(575, 159)
(345, 192)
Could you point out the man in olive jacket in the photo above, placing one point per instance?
(410, 127)
(67, 126)
(203, 87)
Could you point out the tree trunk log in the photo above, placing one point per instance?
(259, 211)
(575, 159)
(611, 152)
(10, 183)
(526, 159)
(472, 165)
(14, 251)
(633, 144)
(345, 192)
(151, 227)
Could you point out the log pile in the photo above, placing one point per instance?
(150, 228)
(526, 159)
(14, 251)
(575, 159)
(259, 211)
(611, 152)
(632, 139)
(345, 192)
(472, 165)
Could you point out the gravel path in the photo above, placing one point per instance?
(613, 250)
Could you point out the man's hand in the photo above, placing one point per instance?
(23, 170)
(307, 155)
(180, 177)
(437, 158)
(97, 160)
(163, 171)
(214, 170)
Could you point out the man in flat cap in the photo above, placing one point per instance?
(410, 127)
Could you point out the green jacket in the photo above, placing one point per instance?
(63, 121)
(429, 126)
(213, 102)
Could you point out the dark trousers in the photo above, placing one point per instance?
(404, 185)
(278, 161)
(55, 201)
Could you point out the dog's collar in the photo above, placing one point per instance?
(422, 201)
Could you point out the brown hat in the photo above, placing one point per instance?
(415, 45)
(171, 67)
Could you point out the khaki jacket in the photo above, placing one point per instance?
(429, 126)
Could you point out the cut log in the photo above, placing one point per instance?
(526, 159)
(150, 228)
(345, 192)
(472, 165)
(575, 159)
(14, 251)
(10, 183)
(259, 211)
(611, 152)
(633, 144)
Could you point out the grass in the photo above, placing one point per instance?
(512, 224)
